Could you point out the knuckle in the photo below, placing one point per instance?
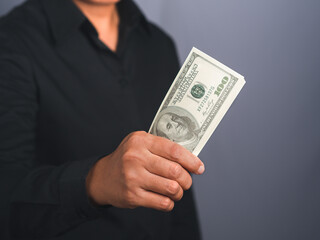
(131, 155)
(131, 199)
(153, 141)
(175, 151)
(142, 133)
(173, 188)
(130, 178)
(153, 164)
(128, 155)
(188, 183)
(136, 138)
(166, 204)
(175, 171)
(179, 196)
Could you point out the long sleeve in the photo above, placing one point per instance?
(36, 201)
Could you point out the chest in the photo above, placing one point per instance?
(90, 96)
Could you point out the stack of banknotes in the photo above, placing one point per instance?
(197, 100)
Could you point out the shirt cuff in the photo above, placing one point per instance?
(73, 194)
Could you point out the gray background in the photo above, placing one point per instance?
(262, 177)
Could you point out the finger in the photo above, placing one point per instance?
(172, 151)
(169, 169)
(164, 186)
(156, 201)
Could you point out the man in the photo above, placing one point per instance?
(74, 83)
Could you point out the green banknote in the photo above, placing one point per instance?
(197, 100)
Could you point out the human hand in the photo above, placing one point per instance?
(144, 170)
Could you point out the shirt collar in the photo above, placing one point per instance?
(65, 17)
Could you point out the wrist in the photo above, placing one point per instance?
(95, 182)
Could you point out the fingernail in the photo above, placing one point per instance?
(201, 169)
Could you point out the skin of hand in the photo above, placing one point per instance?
(144, 171)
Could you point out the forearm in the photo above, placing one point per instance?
(47, 200)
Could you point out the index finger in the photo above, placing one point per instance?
(172, 151)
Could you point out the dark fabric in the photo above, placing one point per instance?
(65, 101)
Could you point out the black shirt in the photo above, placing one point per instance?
(65, 101)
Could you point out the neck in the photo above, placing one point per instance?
(104, 17)
(99, 14)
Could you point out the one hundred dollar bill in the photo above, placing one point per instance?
(197, 100)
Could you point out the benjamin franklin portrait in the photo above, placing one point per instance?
(177, 125)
